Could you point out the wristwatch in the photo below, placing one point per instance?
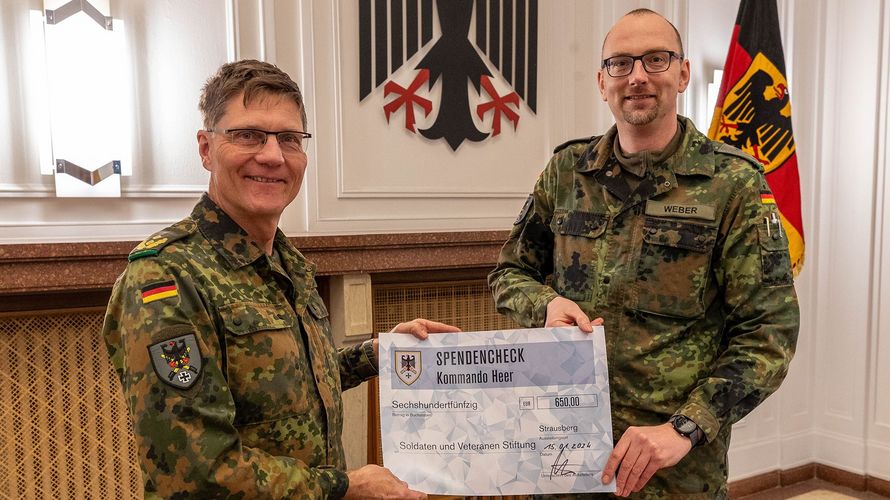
(688, 429)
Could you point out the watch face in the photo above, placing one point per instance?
(684, 425)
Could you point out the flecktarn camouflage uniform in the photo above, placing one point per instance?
(690, 272)
(228, 366)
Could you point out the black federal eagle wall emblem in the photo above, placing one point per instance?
(503, 32)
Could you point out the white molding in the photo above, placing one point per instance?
(231, 32)
(754, 458)
(796, 449)
(378, 192)
(344, 192)
(43, 225)
(164, 190)
(140, 191)
(812, 136)
(26, 190)
(78, 232)
(266, 28)
(786, 20)
(841, 451)
(680, 13)
(40, 220)
(834, 235)
(248, 29)
(402, 225)
(340, 199)
(878, 411)
(339, 154)
(878, 461)
(427, 218)
(371, 193)
(770, 453)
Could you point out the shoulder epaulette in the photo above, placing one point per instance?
(154, 243)
(724, 148)
(582, 140)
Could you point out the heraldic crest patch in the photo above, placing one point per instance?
(177, 361)
(409, 366)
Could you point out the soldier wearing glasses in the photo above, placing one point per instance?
(668, 239)
(217, 332)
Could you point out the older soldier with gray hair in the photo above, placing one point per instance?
(216, 329)
(672, 240)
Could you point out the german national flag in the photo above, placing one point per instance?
(159, 291)
(753, 111)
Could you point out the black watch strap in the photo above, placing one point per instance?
(688, 429)
(697, 437)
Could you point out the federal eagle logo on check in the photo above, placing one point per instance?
(409, 367)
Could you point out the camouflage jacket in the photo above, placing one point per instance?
(690, 272)
(228, 366)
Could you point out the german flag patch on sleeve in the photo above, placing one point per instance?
(158, 291)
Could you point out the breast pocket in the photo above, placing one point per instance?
(674, 267)
(576, 236)
(266, 363)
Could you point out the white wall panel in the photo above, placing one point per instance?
(366, 167)
(752, 458)
(878, 417)
(796, 448)
(755, 448)
(803, 67)
(50, 220)
(843, 261)
(175, 45)
(248, 28)
(877, 463)
(706, 31)
(843, 448)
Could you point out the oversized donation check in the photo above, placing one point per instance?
(496, 413)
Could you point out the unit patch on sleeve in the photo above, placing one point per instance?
(525, 208)
(177, 361)
(157, 291)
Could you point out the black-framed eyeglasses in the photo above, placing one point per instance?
(656, 61)
(252, 139)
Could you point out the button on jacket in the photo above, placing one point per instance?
(690, 272)
(262, 417)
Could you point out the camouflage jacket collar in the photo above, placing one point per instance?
(694, 156)
(233, 243)
(297, 267)
(224, 234)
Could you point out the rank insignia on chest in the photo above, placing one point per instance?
(157, 291)
(177, 361)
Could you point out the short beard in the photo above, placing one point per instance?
(641, 116)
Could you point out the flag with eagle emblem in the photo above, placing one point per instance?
(504, 32)
(753, 112)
